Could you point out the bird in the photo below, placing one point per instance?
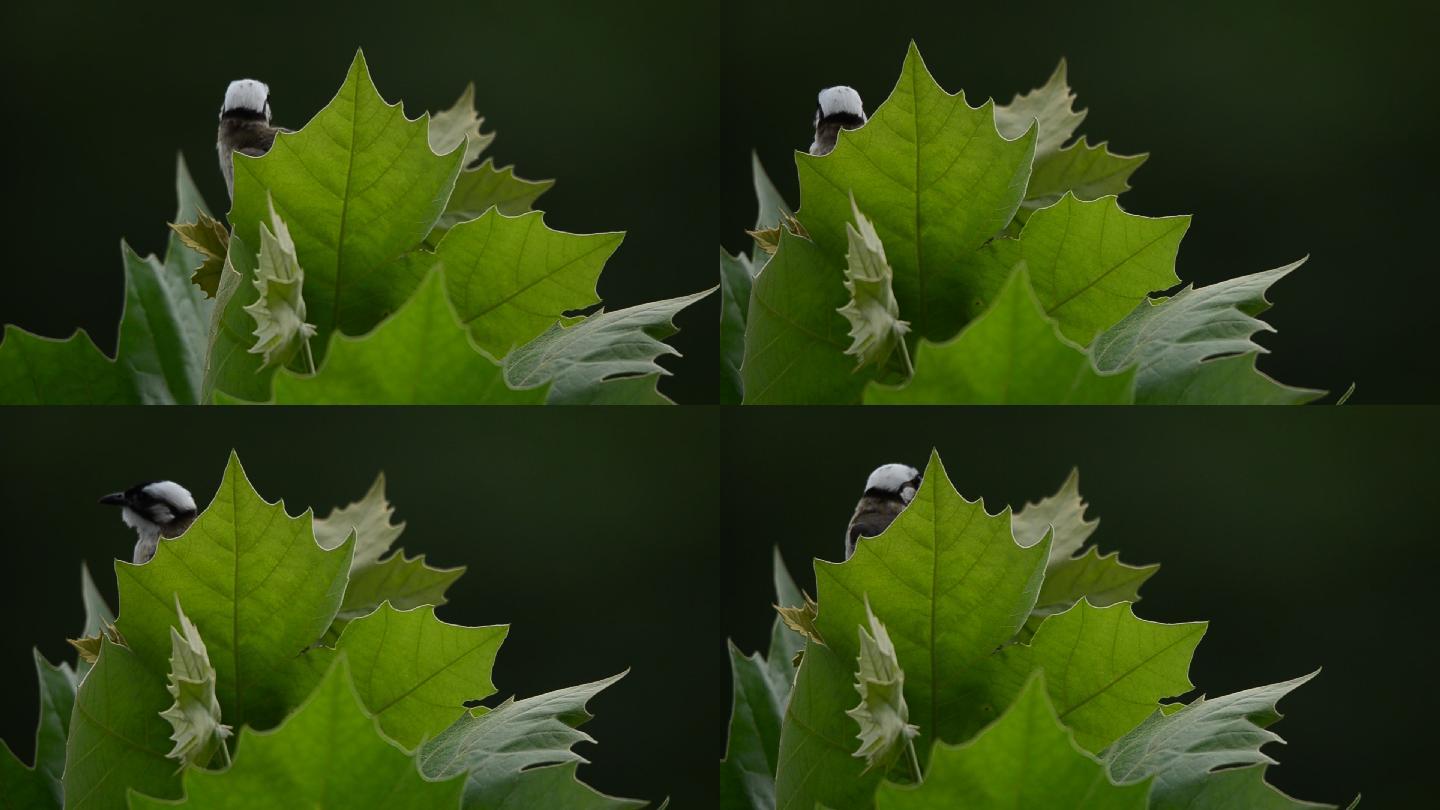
(839, 108)
(244, 125)
(154, 510)
(888, 490)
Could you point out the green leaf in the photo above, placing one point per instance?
(1064, 514)
(230, 367)
(118, 740)
(1234, 787)
(360, 188)
(413, 672)
(875, 326)
(1184, 749)
(404, 582)
(1102, 580)
(1105, 669)
(499, 750)
(1082, 170)
(1012, 354)
(939, 181)
(484, 187)
(162, 336)
(817, 741)
(279, 306)
(1025, 759)
(772, 206)
(459, 124)
(195, 714)
(210, 238)
(1049, 107)
(511, 278)
(736, 276)
(421, 355)
(952, 585)
(605, 350)
(40, 785)
(256, 584)
(370, 519)
(795, 336)
(1198, 346)
(553, 786)
(295, 765)
(883, 716)
(97, 614)
(1090, 263)
(38, 370)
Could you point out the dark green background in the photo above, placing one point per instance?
(595, 537)
(1286, 128)
(617, 101)
(1307, 538)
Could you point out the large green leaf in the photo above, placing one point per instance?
(736, 278)
(421, 355)
(1185, 749)
(1025, 759)
(484, 187)
(604, 353)
(230, 366)
(38, 370)
(1013, 354)
(1105, 669)
(328, 754)
(1234, 787)
(404, 582)
(1100, 579)
(1198, 346)
(795, 336)
(511, 278)
(163, 330)
(939, 181)
(360, 188)
(256, 584)
(817, 765)
(40, 786)
(118, 740)
(500, 750)
(1090, 263)
(414, 672)
(950, 583)
(1085, 171)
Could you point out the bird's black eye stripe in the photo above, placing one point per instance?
(846, 120)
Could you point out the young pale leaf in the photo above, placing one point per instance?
(951, 584)
(1064, 512)
(459, 124)
(414, 672)
(795, 336)
(1198, 346)
(299, 763)
(118, 740)
(279, 307)
(1090, 262)
(499, 751)
(736, 278)
(1105, 669)
(255, 583)
(1184, 749)
(1049, 107)
(230, 366)
(607, 350)
(1012, 354)
(884, 718)
(361, 189)
(421, 355)
(876, 329)
(195, 715)
(937, 179)
(800, 619)
(1235, 787)
(370, 518)
(1025, 759)
(89, 646)
(210, 238)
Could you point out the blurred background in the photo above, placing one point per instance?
(1285, 128)
(615, 101)
(1305, 537)
(595, 537)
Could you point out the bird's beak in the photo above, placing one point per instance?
(113, 499)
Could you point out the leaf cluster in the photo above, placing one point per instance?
(366, 258)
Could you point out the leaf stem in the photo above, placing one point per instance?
(914, 761)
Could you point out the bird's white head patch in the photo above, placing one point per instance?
(841, 99)
(247, 94)
(172, 495)
(901, 479)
